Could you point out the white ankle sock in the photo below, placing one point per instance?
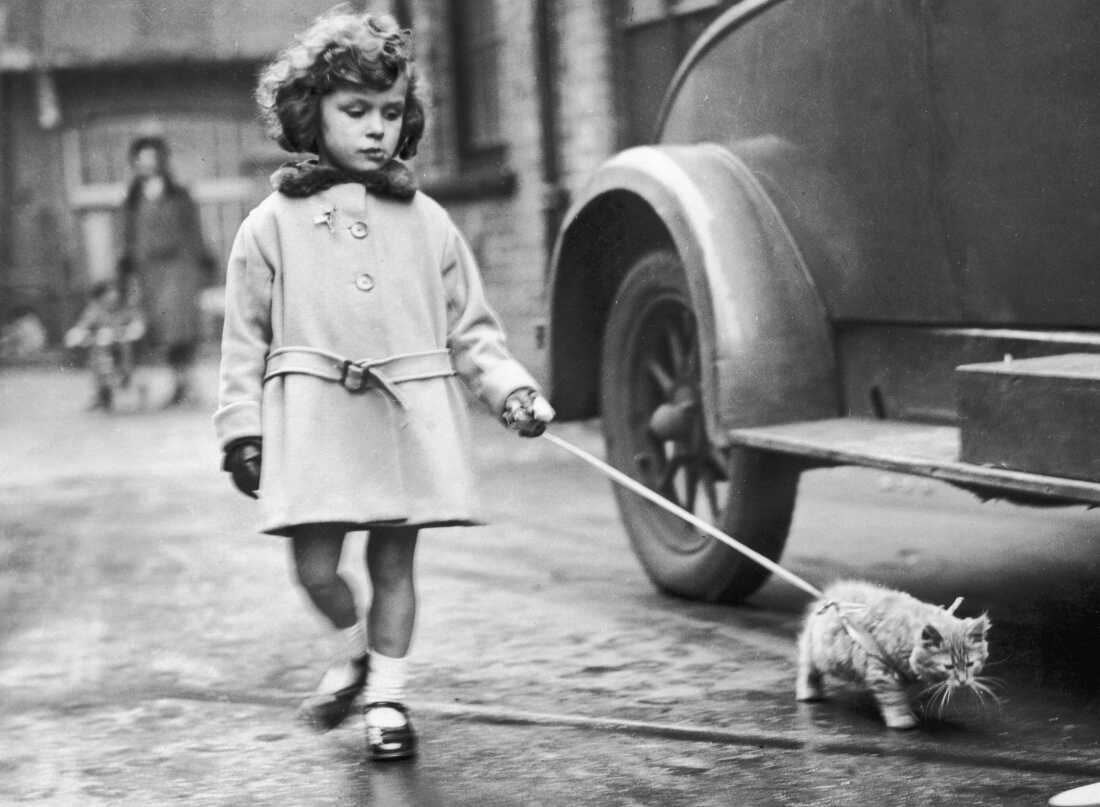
(350, 645)
(340, 675)
(386, 682)
(353, 640)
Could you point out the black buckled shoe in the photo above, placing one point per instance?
(325, 710)
(386, 743)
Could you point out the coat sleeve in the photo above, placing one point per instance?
(246, 338)
(474, 334)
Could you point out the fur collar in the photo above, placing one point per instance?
(306, 178)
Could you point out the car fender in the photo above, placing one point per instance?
(764, 333)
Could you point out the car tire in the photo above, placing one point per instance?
(654, 429)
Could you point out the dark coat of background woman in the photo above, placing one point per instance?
(164, 251)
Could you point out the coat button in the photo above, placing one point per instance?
(358, 229)
(364, 282)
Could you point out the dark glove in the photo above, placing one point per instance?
(527, 412)
(242, 461)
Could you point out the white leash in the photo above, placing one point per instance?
(659, 500)
(671, 507)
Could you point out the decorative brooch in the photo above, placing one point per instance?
(326, 217)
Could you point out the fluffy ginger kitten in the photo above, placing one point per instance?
(899, 643)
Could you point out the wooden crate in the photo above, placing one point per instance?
(1036, 415)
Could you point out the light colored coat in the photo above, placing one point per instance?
(365, 277)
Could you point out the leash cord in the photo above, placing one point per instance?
(671, 507)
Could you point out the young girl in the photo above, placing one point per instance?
(352, 304)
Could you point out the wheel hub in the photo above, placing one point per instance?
(674, 420)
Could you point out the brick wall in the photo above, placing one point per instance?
(585, 85)
(505, 228)
(507, 231)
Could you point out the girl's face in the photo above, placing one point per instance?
(360, 128)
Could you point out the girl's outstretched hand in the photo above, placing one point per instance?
(242, 461)
(527, 412)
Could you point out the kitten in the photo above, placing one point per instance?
(899, 642)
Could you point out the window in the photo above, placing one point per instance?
(477, 82)
(210, 155)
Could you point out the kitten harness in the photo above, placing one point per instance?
(865, 640)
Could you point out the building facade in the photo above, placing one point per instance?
(525, 99)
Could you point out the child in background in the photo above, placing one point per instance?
(23, 336)
(109, 329)
(353, 308)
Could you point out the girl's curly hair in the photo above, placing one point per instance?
(341, 47)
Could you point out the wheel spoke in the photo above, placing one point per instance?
(710, 488)
(692, 362)
(660, 375)
(687, 328)
(692, 487)
(675, 350)
(664, 485)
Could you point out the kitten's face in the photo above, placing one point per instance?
(954, 657)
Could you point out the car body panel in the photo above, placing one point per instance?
(1016, 94)
(763, 332)
(841, 83)
(964, 137)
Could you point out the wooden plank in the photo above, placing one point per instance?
(1039, 415)
(910, 448)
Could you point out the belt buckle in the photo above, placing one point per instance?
(354, 377)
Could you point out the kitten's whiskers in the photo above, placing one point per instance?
(990, 681)
(947, 692)
(983, 691)
(941, 693)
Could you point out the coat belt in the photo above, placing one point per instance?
(358, 375)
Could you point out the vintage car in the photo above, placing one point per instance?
(867, 232)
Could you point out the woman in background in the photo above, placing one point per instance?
(164, 251)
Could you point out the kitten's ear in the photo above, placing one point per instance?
(978, 627)
(930, 637)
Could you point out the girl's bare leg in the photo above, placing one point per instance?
(316, 549)
(390, 553)
(392, 614)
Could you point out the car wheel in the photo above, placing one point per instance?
(654, 428)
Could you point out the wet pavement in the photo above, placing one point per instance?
(152, 647)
